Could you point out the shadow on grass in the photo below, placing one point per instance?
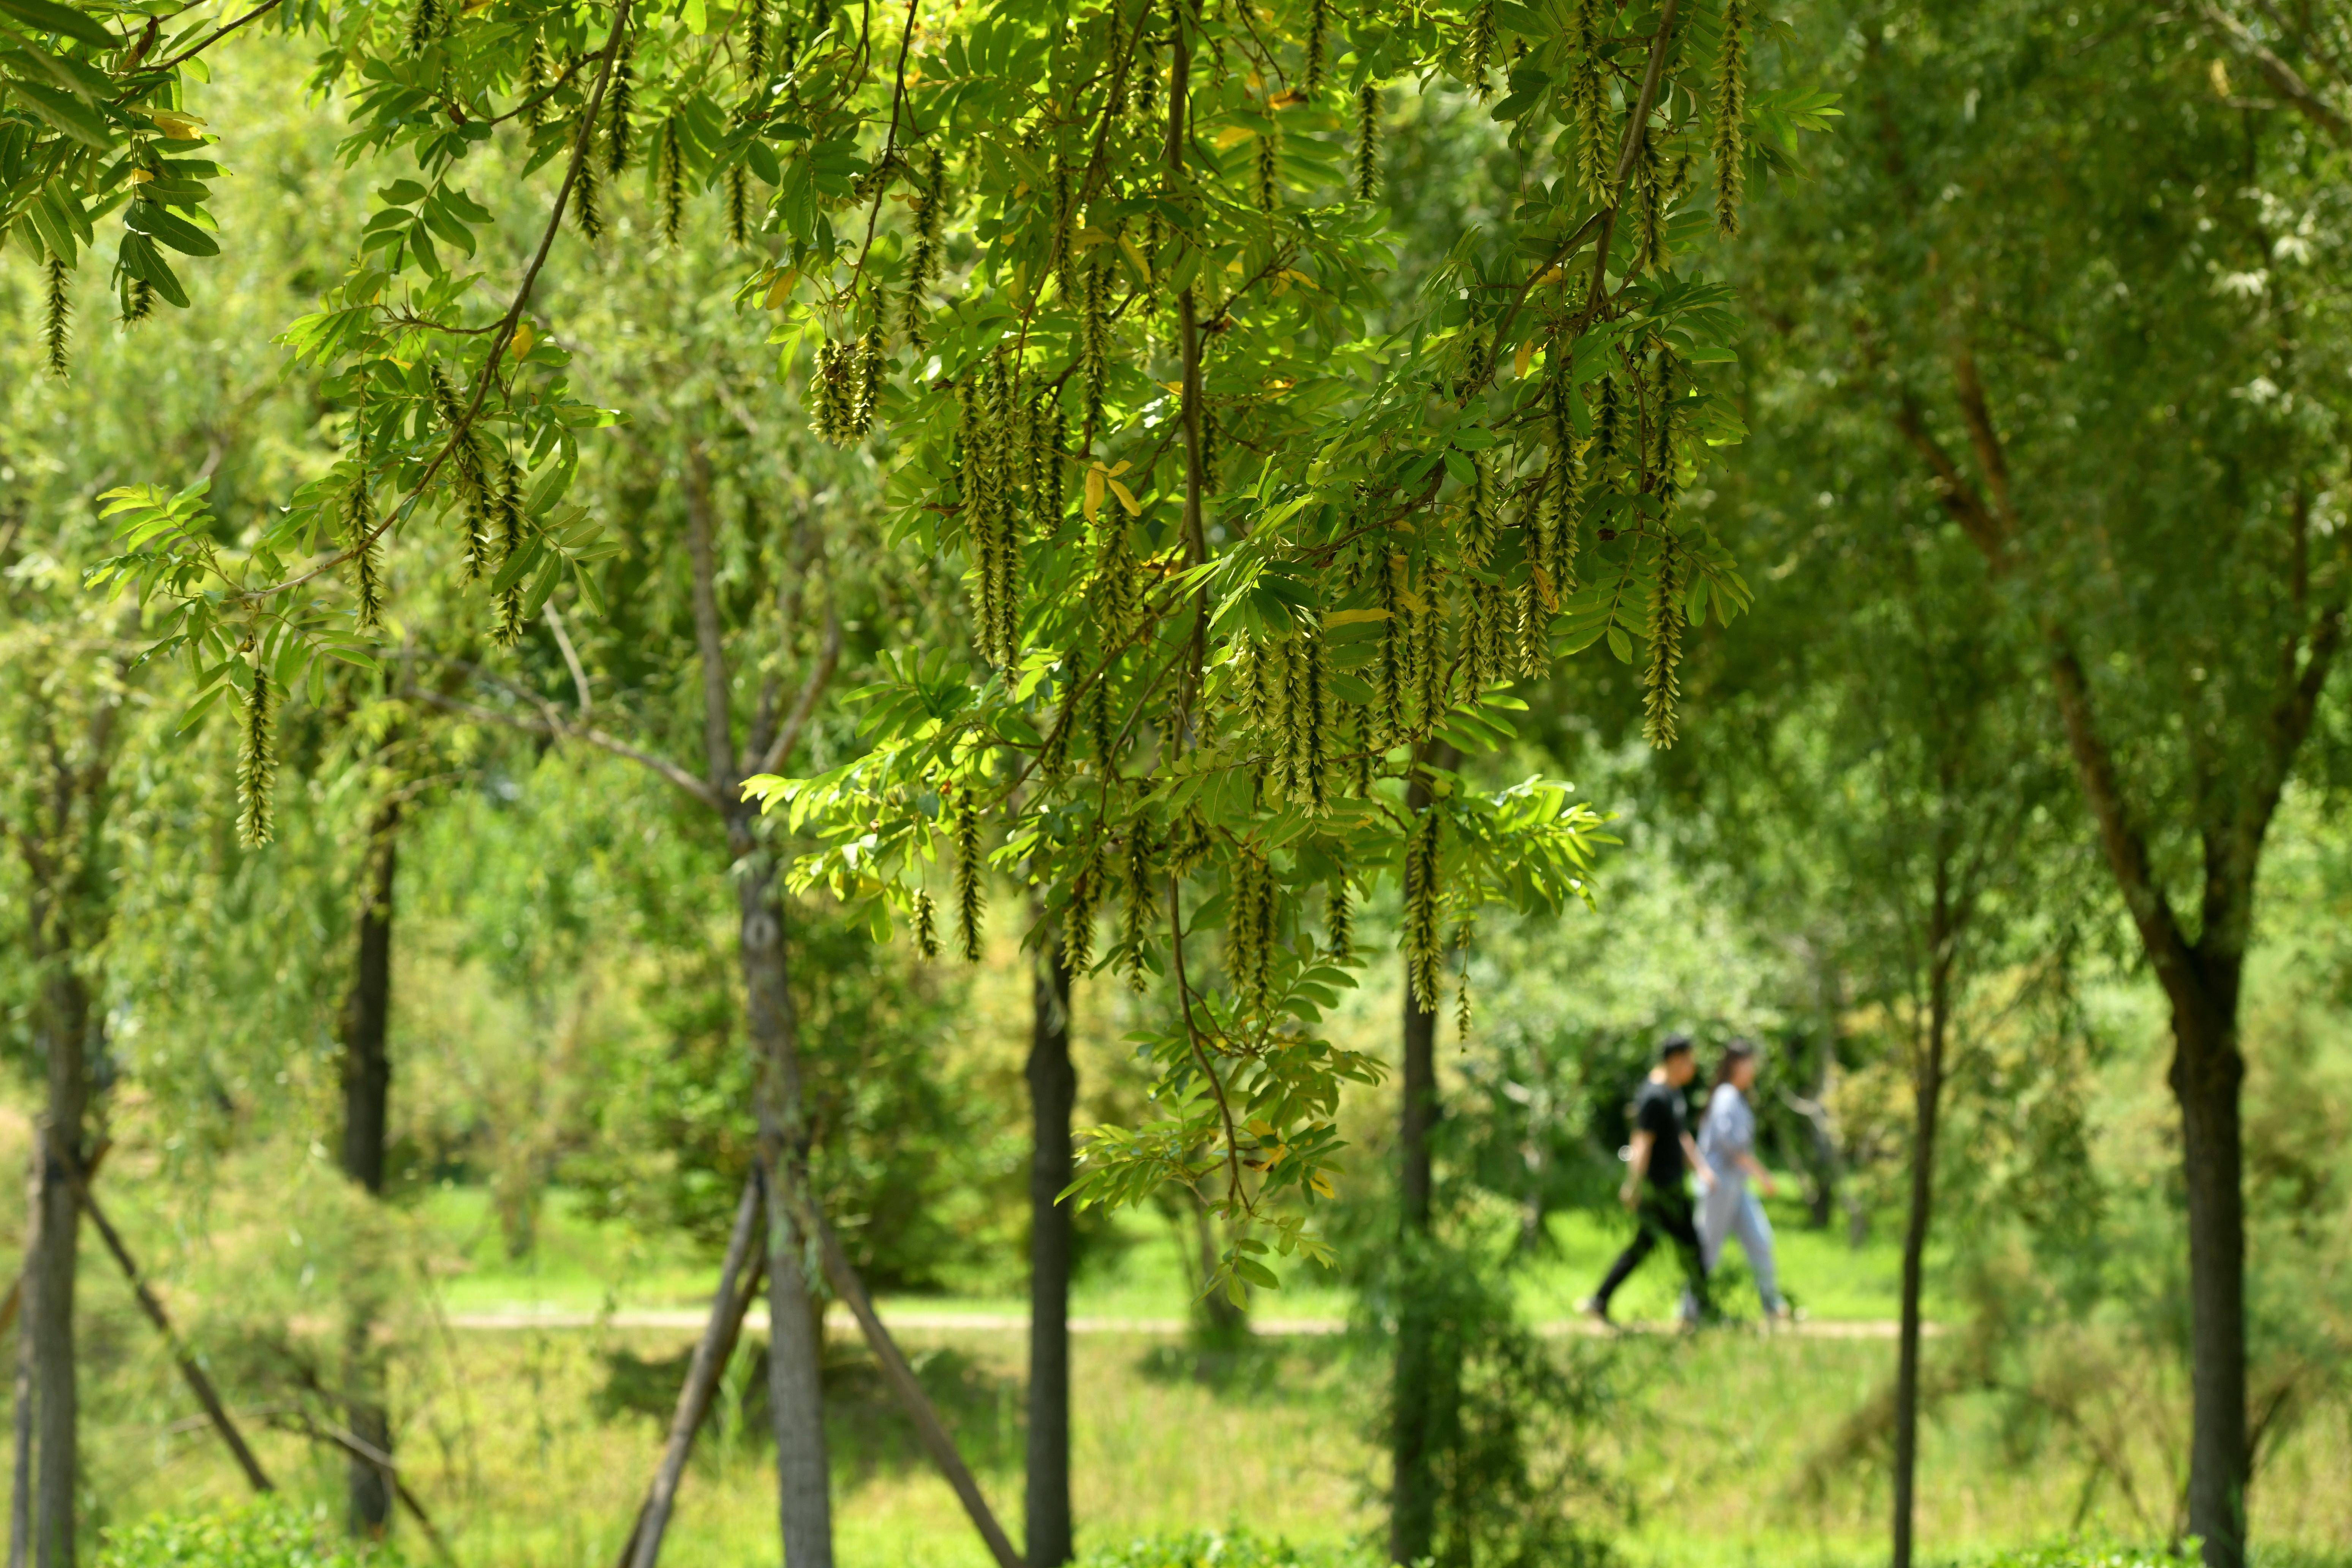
(867, 1431)
(1267, 1366)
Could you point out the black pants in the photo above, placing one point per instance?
(1665, 1215)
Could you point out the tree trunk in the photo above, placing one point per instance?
(2206, 1075)
(1412, 1504)
(49, 1279)
(1053, 1094)
(1927, 1094)
(20, 1492)
(795, 1325)
(367, 1085)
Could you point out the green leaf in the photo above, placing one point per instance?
(65, 111)
(48, 16)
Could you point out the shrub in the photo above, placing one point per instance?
(268, 1533)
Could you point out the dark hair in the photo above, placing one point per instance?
(1674, 1046)
(1735, 1053)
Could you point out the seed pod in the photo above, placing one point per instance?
(1053, 494)
(1312, 767)
(1249, 922)
(971, 911)
(1269, 167)
(1482, 49)
(1461, 1000)
(739, 207)
(923, 263)
(1481, 517)
(927, 926)
(1423, 957)
(1396, 650)
(1340, 920)
(1529, 622)
(1662, 457)
(1432, 681)
(1730, 110)
(1002, 409)
(465, 459)
(755, 39)
(1660, 686)
(1095, 346)
(1318, 25)
(1290, 720)
(621, 100)
(1652, 195)
(1587, 99)
(359, 540)
(1188, 845)
(138, 301)
(424, 26)
(671, 172)
(509, 509)
(56, 318)
(1608, 417)
(585, 208)
(873, 374)
(1368, 142)
(1100, 728)
(257, 765)
(1057, 255)
(533, 85)
(1135, 927)
(1115, 100)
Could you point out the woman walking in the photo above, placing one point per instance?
(1730, 1207)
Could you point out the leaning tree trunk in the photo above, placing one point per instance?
(796, 1326)
(2206, 1075)
(50, 1276)
(367, 1085)
(1419, 1386)
(20, 1490)
(1927, 1095)
(1053, 1094)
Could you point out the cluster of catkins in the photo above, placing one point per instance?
(846, 387)
(489, 490)
(1010, 461)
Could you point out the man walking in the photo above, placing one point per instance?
(1661, 1161)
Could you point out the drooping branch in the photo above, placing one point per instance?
(2283, 78)
(551, 725)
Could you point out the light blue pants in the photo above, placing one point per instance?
(1729, 1209)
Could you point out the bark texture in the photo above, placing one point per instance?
(49, 1276)
(1927, 1098)
(367, 1098)
(1053, 1094)
(1420, 1387)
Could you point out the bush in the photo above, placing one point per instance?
(2094, 1554)
(268, 1534)
(1235, 1548)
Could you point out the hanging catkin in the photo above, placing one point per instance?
(1318, 27)
(1660, 687)
(927, 926)
(1423, 958)
(755, 39)
(585, 210)
(57, 317)
(1482, 48)
(1480, 524)
(257, 765)
(1730, 109)
(1368, 142)
(509, 510)
(1135, 925)
(1340, 920)
(972, 910)
(671, 174)
(1587, 99)
(360, 541)
(621, 100)
(1396, 650)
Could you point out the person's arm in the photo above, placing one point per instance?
(1754, 1167)
(1699, 1167)
(1636, 1163)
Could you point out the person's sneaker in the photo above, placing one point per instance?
(1594, 1308)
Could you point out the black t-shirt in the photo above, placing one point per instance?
(1659, 1110)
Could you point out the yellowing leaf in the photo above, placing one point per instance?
(1353, 618)
(1519, 361)
(1142, 268)
(178, 126)
(781, 288)
(1126, 497)
(1322, 1184)
(1095, 482)
(523, 337)
(1232, 134)
(140, 176)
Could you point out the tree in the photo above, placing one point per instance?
(2084, 283)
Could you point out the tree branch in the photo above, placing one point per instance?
(2283, 76)
(552, 726)
(1961, 497)
(811, 691)
(570, 656)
